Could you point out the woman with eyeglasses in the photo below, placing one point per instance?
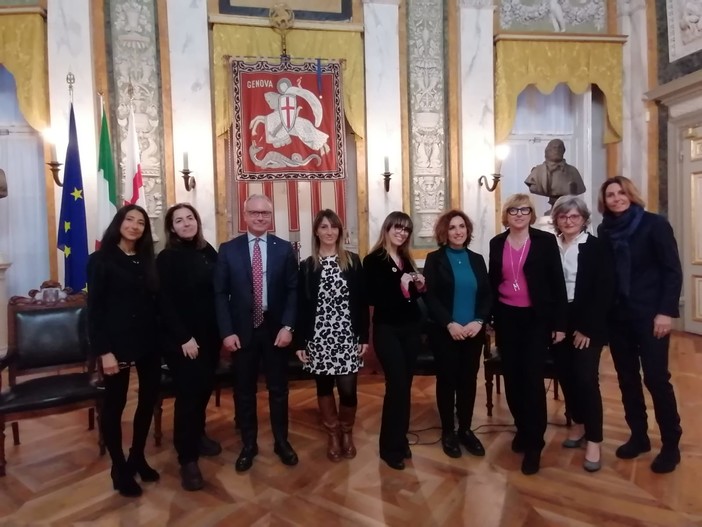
(459, 300)
(589, 281)
(393, 287)
(648, 283)
(191, 338)
(530, 314)
(122, 326)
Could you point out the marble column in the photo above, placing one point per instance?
(477, 106)
(69, 48)
(191, 106)
(631, 21)
(4, 266)
(384, 122)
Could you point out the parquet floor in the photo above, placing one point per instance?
(57, 478)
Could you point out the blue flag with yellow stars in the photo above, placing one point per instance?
(72, 231)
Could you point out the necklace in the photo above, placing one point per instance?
(515, 280)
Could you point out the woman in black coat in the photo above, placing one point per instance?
(648, 285)
(394, 287)
(332, 329)
(529, 315)
(191, 338)
(122, 326)
(589, 279)
(459, 301)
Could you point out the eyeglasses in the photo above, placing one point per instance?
(402, 228)
(570, 217)
(259, 213)
(513, 211)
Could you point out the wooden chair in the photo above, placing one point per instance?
(492, 365)
(47, 336)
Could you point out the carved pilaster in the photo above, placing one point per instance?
(629, 7)
(476, 4)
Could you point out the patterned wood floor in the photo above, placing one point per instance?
(57, 478)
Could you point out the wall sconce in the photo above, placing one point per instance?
(188, 180)
(54, 166)
(501, 153)
(387, 175)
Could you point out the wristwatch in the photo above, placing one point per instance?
(290, 329)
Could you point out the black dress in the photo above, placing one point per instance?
(188, 311)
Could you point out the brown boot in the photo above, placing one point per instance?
(330, 420)
(347, 417)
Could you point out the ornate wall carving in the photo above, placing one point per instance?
(575, 16)
(426, 97)
(684, 19)
(132, 35)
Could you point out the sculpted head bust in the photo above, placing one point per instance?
(555, 177)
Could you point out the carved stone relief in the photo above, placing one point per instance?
(554, 15)
(136, 80)
(684, 27)
(426, 92)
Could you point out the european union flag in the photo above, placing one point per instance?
(72, 231)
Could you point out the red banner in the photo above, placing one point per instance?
(288, 121)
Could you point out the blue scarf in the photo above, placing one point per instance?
(619, 229)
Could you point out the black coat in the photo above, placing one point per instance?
(544, 276)
(384, 292)
(594, 291)
(440, 286)
(187, 296)
(308, 293)
(656, 273)
(122, 305)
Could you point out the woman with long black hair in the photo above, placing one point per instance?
(191, 340)
(122, 325)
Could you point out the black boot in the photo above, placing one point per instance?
(633, 447)
(138, 465)
(191, 477)
(666, 460)
(123, 481)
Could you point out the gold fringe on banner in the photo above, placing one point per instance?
(249, 41)
(547, 63)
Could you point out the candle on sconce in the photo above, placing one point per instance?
(185, 161)
(387, 164)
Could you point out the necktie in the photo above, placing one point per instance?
(257, 269)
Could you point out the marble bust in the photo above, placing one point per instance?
(554, 177)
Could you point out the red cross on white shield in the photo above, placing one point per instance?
(287, 107)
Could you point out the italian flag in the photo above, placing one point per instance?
(107, 183)
(133, 182)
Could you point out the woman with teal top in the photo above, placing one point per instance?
(459, 299)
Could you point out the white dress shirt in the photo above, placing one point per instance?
(263, 244)
(569, 259)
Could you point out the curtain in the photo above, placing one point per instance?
(23, 217)
(246, 41)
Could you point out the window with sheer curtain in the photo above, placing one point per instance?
(576, 119)
(23, 217)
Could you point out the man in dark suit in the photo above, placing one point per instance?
(256, 298)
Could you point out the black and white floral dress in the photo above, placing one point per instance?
(333, 349)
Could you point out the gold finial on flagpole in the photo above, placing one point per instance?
(70, 80)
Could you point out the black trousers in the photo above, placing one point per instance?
(457, 364)
(397, 348)
(275, 365)
(579, 376)
(194, 382)
(148, 369)
(523, 340)
(634, 348)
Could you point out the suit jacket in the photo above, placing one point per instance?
(440, 286)
(233, 284)
(544, 275)
(656, 273)
(594, 288)
(122, 306)
(308, 293)
(384, 292)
